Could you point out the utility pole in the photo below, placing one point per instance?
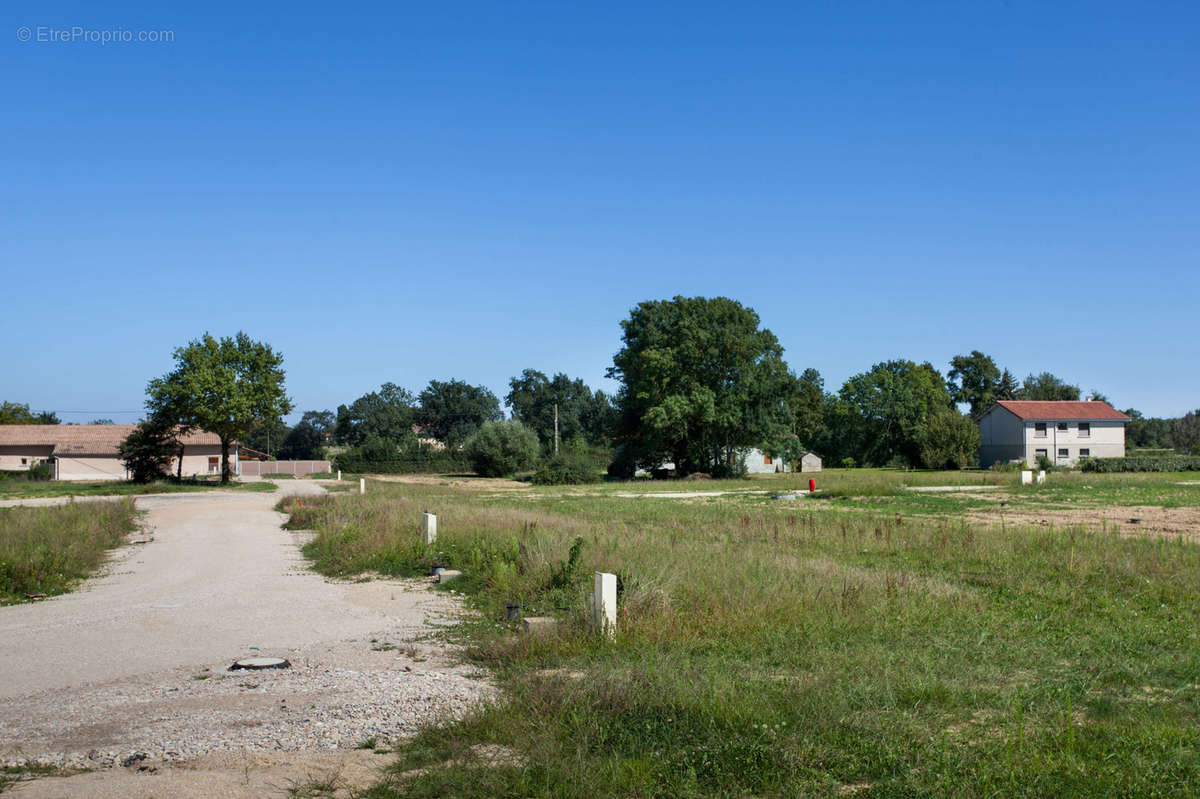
(556, 428)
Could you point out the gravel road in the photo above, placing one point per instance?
(135, 663)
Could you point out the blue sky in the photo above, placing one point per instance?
(401, 192)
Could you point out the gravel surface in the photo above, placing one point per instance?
(133, 669)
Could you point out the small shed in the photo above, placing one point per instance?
(758, 462)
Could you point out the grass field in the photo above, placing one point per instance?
(21, 489)
(871, 641)
(48, 550)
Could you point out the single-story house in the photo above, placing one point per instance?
(758, 462)
(1064, 432)
(89, 451)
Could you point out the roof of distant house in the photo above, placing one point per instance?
(1060, 411)
(83, 439)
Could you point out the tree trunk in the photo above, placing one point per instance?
(179, 472)
(224, 460)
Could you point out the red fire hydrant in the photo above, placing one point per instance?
(812, 485)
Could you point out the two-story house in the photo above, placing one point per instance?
(1064, 432)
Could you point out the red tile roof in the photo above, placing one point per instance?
(82, 439)
(1062, 411)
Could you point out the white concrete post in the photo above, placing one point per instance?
(605, 604)
(428, 528)
(1026, 477)
(339, 475)
(362, 485)
(1041, 476)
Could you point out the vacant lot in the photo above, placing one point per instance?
(47, 550)
(873, 641)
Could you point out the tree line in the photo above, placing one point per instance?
(701, 381)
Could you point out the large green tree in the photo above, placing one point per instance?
(307, 439)
(973, 379)
(1009, 388)
(16, 413)
(1047, 387)
(582, 413)
(452, 410)
(224, 386)
(699, 381)
(149, 449)
(386, 414)
(884, 409)
(948, 440)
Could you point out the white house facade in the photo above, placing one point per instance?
(758, 462)
(80, 452)
(1064, 432)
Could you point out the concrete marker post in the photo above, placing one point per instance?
(362, 485)
(428, 528)
(1026, 478)
(605, 604)
(1041, 476)
(339, 475)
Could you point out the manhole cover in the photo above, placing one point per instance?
(258, 664)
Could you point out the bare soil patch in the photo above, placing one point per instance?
(1128, 520)
(453, 481)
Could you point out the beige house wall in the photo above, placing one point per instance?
(77, 468)
(1004, 437)
(11, 457)
(196, 460)
(1106, 440)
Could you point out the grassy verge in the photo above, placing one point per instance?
(783, 649)
(103, 488)
(48, 550)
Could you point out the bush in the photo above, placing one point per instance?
(1179, 463)
(497, 449)
(948, 440)
(565, 468)
(147, 452)
(40, 472)
(425, 461)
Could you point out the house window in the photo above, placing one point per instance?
(1039, 429)
(24, 461)
(1085, 453)
(1039, 453)
(766, 460)
(1062, 426)
(1085, 428)
(1063, 452)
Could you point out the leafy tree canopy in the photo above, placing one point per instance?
(386, 414)
(884, 409)
(224, 386)
(948, 440)
(306, 441)
(974, 380)
(1047, 388)
(451, 411)
(149, 450)
(700, 380)
(1009, 388)
(582, 413)
(500, 448)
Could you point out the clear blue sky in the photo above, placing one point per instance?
(401, 192)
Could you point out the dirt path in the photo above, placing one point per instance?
(135, 664)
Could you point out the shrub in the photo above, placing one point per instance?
(498, 449)
(40, 471)
(948, 440)
(412, 463)
(567, 467)
(1163, 464)
(147, 452)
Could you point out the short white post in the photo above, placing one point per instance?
(1026, 477)
(362, 485)
(604, 607)
(1041, 476)
(339, 475)
(428, 528)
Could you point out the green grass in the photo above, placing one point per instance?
(18, 489)
(48, 550)
(802, 648)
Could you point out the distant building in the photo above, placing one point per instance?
(1064, 432)
(758, 462)
(89, 451)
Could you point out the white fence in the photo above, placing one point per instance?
(247, 467)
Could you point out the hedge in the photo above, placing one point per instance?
(436, 462)
(1179, 463)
